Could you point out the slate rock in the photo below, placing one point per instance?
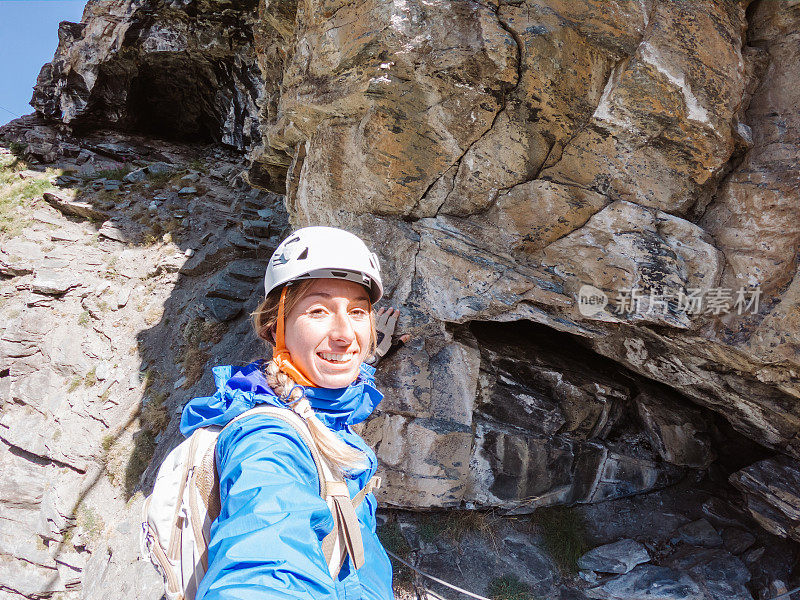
(700, 533)
(247, 270)
(185, 191)
(676, 430)
(111, 230)
(76, 208)
(136, 176)
(19, 257)
(619, 557)
(772, 492)
(157, 168)
(722, 512)
(648, 582)
(102, 371)
(737, 540)
(229, 288)
(221, 309)
(51, 282)
(720, 574)
(66, 180)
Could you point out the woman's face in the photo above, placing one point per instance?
(328, 332)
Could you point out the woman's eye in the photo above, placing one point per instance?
(359, 313)
(317, 311)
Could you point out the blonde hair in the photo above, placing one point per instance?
(265, 318)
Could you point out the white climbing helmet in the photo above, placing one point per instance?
(324, 252)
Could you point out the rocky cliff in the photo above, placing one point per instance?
(587, 210)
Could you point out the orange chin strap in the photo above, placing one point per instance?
(281, 355)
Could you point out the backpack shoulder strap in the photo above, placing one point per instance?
(345, 537)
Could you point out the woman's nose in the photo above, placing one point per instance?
(342, 328)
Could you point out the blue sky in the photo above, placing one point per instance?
(28, 39)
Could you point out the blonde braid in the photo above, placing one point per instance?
(340, 454)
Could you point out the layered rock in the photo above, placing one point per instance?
(530, 148)
(772, 492)
(510, 155)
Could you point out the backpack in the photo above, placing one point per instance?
(177, 516)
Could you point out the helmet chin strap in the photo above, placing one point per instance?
(281, 355)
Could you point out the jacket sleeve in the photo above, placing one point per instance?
(266, 542)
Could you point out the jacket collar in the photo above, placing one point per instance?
(241, 388)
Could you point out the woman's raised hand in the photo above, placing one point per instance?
(385, 323)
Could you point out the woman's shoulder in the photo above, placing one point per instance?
(269, 430)
(266, 421)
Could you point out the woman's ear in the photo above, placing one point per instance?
(268, 334)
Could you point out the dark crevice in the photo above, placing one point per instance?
(37, 459)
(518, 342)
(502, 95)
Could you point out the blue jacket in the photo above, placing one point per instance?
(266, 542)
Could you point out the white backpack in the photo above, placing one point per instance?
(177, 516)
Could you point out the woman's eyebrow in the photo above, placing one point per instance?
(326, 295)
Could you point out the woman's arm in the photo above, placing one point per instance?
(266, 542)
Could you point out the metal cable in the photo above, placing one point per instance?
(10, 111)
(436, 579)
(478, 597)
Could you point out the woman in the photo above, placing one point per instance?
(320, 285)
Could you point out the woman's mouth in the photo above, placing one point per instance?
(336, 358)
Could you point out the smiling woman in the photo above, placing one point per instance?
(277, 535)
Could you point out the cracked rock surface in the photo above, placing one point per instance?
(588, 212)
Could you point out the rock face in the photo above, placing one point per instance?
(537, 147)
(511, 155)
(186, 69)
(588, 211)
(87, 375)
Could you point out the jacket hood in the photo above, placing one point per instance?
(241, 388)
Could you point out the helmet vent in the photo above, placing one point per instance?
(303, 255)
(341, 274)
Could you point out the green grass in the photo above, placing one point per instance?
(91, 378)
(453, 525)
(144, 447)
(155, 415)
(509, 587)
(392, 539)
(91, 522)
(74, 384)
(198, 164)
(17, 195)
(432, 527)
(117, 173)
(17, 148)
(108, 442)
(563, 532)
(83, 318)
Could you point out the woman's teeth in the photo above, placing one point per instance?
(335, 358)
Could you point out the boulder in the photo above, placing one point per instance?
(619, 557)
(648, 582)
(700, 533)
